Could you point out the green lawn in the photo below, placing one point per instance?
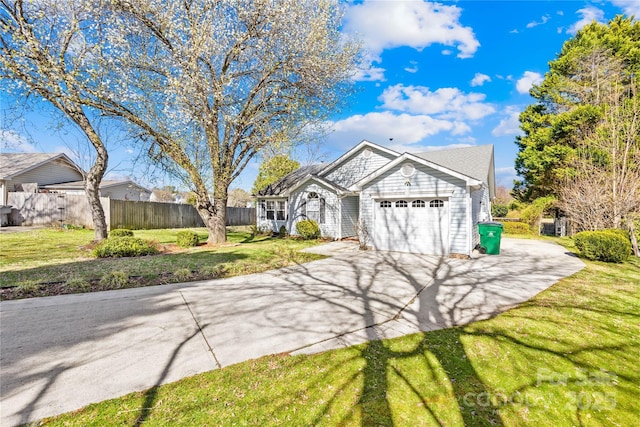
(567, 357)
(49, 261)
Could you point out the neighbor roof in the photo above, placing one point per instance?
(14, 164)
(79, 185)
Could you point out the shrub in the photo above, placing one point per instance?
(618, 231)
(187, 239)
(282, 232)
(182, 274)
(121, 232)
(308, 229)
(603, 245)
(516, 228)
(115, 279)
(499, 211)
(214, 271)
(79, 284)
(125, 247)
(27, 287)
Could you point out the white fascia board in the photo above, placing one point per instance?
(399, 195)
(406, 156)
(348, 154)
(312, 178)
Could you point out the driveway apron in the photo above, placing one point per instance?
(60, 353)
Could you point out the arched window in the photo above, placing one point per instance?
(401, 204)
(437, 203)
(418, 204)
(316, 207)
(385, 204)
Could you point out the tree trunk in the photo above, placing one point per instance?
(92, 190)
(214, 215)
(93, 178)
(632, 235)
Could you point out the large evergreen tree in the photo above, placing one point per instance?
(569, 105)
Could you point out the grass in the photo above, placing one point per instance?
(50, 262)
(566, 357)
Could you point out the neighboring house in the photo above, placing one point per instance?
(426, 203)
(114, 189)
(30, 171)
(36, 172)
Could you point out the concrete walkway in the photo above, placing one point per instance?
(60, 353)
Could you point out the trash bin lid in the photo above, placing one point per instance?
(493, 223)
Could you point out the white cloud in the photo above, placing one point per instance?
(543, 20)
(369, 74)
(417, 24)
(589, 14)
(514, 31)
(413, 68)
(12, 141)
(479, 79)
(380, 126)
(630, 7)
(510, 124)
(528, 79)
(506, 175)
(445, 103)
(447, 52)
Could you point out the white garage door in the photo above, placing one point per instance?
(412, 225)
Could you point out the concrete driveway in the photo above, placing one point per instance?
(60, 353)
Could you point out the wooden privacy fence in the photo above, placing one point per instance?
(58, 209)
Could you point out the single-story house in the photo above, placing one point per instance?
(38, 172)
(428, 203)
(29, 171)
(114, 189)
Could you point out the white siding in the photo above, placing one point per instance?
(55, 172)
(350, 206)
(124, 192)
(359, 166)
(3, 191)
(424, 181)
(481, 211)
(331, 226)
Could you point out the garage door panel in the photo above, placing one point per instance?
(418, 227)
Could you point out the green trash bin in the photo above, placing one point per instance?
(490, 234)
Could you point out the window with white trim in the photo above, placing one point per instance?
(280, 210)
(273, 210)
(401, 204)
(418, 204)
(316, 207)
(385, 204)
(437, 203)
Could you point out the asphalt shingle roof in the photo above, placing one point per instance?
(12, 164)
(474, 162)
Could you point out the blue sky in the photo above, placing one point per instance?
(438, 74)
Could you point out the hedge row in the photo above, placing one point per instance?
(516, 228)
(604, 245)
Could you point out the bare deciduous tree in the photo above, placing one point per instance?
(605, 189)
(207, 85)
(42, 55)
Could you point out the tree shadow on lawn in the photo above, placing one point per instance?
(542, 360)
(556, 355)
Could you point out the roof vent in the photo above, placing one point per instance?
(407, 170)
(367, 153)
